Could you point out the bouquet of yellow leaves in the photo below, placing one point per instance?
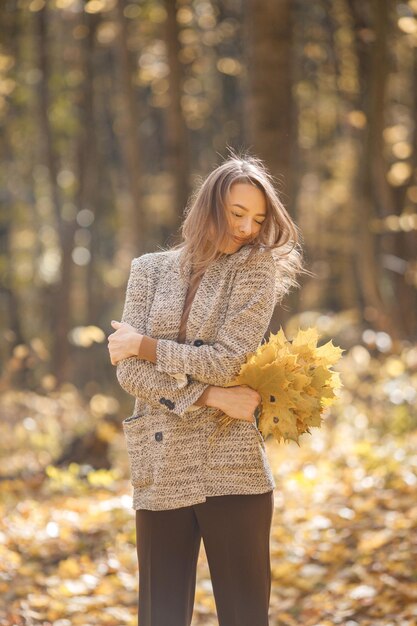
(295, 381)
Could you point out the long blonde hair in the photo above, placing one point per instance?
(206, 210)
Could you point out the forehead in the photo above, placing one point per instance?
(248, 196)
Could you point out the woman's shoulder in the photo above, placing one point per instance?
(153, 259)
(253, 256)
(279, 265)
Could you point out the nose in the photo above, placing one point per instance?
(245, 228)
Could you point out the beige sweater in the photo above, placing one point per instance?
(172, 464)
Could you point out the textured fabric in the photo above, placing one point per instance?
(195, 280)
(236, 534)
(147, 348)
(171, 461)
(249, 312)
(173, 464)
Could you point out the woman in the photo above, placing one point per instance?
(191, 315)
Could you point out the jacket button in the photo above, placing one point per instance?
(163, 400)
(198, 342)
(158, 436)
(170, 404)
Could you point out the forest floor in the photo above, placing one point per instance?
(343, 538)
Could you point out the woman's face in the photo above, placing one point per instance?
(245, 210)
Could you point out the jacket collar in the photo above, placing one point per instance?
(231, 260)
(174, 290)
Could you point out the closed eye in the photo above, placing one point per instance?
(237, 215)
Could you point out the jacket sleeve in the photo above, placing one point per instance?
(141, 378)
(251, 305)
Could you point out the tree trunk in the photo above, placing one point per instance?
(374, 194)
(60, 304)
(268, 112)
(135, 226)
(177, 141)
(269, 115)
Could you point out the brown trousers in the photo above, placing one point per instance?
(236, 533)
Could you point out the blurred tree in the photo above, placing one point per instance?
(130, 139)
(269, 118)
(389, 297)
(58, 297)
(177, 161)
(269, 104)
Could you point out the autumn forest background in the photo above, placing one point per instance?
(110, 111)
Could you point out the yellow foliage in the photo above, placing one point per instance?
(294, 380)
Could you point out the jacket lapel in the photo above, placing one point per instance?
(209, 288)
(206, 302)
(169, 299)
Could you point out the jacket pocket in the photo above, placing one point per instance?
(238, 447)
(139, 439)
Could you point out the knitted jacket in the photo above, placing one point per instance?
(171, 462)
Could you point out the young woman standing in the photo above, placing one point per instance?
(191, 315)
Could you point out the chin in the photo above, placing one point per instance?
(233, 246)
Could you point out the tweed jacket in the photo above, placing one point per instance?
(171, 462)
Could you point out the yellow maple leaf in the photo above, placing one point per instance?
(294, 380)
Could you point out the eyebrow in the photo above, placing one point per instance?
(246, 209)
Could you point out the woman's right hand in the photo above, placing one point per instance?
(239, 402)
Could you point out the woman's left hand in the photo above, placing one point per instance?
(124, 342)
